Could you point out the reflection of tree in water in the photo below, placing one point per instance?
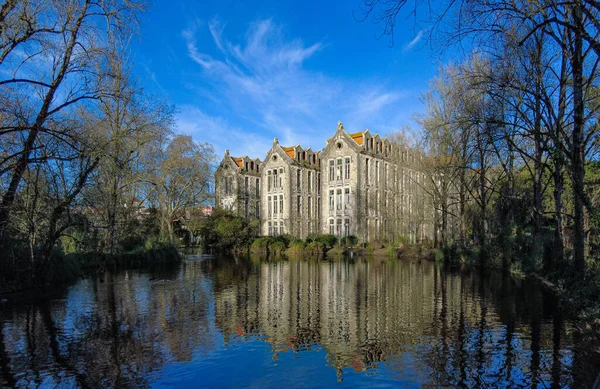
(132, 328)
(423, 323)
(418, 322)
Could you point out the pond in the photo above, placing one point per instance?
(239, 322)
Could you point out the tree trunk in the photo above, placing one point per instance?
(577, 175)
(558, 232)
(23, 161)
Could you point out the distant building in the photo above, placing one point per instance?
(359, 184)
(237, 185)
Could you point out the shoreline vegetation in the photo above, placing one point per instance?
(66, 268)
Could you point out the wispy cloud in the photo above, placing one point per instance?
(410, 45)
(263, 84)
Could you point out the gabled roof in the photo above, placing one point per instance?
(358, 137)
(291, 151)
(237, 161)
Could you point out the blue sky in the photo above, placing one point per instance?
(241, 73)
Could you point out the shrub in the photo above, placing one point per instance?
(286, 239)
(260, 245)
(326, 240)
(296, 247)
(315, 248)
(277, 247)
(403, 241)
(349, 240)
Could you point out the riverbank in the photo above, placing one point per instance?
(63, 269)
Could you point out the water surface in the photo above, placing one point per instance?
(235, 322)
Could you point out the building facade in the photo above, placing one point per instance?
(237, 185)
(360, 184)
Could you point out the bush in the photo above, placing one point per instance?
(326, 240)
(403, 241)
(286, 239)
(277, 247)
(296, 247)
(349, 240)
(260, 245)
(315, 248)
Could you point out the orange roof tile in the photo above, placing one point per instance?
(238, 161)
(358, 137)
(290, 151)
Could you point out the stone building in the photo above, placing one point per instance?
(291, 191)
(360, 184)
(237, 185)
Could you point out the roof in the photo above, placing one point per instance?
(290, 151)
(238, 161)
(358, 137)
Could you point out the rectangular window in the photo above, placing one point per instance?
(281, 204)
(257, 209)
(280, 178)
(346, 227)
(339, 199)
(367, 171)
(331, 227)
(309, 181)
(270, 229)
(298, 179)
(280, 228)
(339, 169)
(275, 205)
(346, 197)
(376, 172)
(331, 200)
(246, 185)
(385, 176)
(309, 207)
(275, 181)
(269, 205)
(347, 169)
(299, 204)
(376, 202)
(318, 183)
(319, 208)
(270, 182)
(257, 188)
(331, 170)
(338, 227)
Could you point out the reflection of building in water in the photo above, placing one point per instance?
(361, 309)
(411, 317)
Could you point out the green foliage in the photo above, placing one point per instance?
(516, 270)
(277, 247)
(260, 245)
(223, 231)
(327, 240)
(403, 241)
(349, 240)
(297, 246)
(392, 251)
(315, 248)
